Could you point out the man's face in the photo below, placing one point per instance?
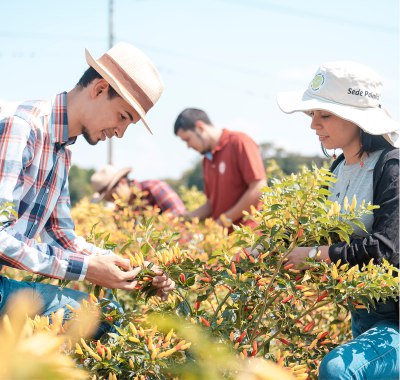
(194, 139)
(105, 117)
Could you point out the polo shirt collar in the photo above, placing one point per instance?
(59, 121)
(222, 141)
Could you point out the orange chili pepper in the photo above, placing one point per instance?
(287, 299)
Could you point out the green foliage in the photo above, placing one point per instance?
(79, 183)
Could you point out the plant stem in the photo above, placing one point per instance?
(220, 306)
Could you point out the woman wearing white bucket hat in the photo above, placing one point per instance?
(343, 100)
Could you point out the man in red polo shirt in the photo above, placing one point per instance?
(233, 170)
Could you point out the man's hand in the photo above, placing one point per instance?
(111, 271)
(161, 281)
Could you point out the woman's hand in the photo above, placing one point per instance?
(298, 256)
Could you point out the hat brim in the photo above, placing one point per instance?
(117, 86)
(99, 196)
(375, 121)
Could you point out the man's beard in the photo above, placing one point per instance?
(87, 137)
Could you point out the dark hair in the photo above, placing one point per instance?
(369, 143)
(89, 75)
(188, 117)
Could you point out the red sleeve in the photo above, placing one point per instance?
(250, 162)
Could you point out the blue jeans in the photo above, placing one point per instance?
(373, 354)
(52, 298)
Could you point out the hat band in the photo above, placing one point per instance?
(127, 81)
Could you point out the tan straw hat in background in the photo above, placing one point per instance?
(105, 179)
(351, 91)
(132, 75)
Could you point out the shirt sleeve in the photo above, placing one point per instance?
(249, 158)
(166, 198)
(383, 242)
(17, 140)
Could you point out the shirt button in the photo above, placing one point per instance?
(36, 222)
(47, 190)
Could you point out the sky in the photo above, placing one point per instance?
(227, 57)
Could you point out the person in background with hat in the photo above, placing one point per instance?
(114, 92)
(344, 103)
(109, 182)
(233, 169)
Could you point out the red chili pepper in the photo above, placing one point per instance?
(284, 341)
(241, 337)
(205, 322)
(322, 296)
(286, 267)
(251, 259)
(205, 279)
(255, 349)
(300, 233)
(228, 287)
(323, 335)
(324, 277)
(287, 299)
(207, 275)
(233, 267)
(299, 287)
(182, 277)
(245, 252)
(298, 277)
(109, 318)
(197, 305)
(309, 326)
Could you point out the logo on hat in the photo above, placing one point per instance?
(317, 82)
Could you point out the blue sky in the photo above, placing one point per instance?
(228, 57)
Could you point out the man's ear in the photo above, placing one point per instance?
(100, 86)
(199, 125)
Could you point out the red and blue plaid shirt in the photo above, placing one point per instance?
(34, 166)
(160, 194)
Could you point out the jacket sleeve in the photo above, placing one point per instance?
(383, 242)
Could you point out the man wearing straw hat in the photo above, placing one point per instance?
(118, 89)
(111, 183)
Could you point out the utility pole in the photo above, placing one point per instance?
(110, 44)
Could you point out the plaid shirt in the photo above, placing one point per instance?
(160, 194)
(34, 165)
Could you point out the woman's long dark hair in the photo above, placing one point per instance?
(369, 143)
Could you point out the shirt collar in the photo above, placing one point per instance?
(59, 121)
(222, 141)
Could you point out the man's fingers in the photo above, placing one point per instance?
(130, 275)
(130, 285)
(160, 278)
(123, 263)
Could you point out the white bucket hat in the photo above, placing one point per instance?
(132, 75)
(351, 91)
(105, 179)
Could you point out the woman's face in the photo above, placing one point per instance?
(335, 132)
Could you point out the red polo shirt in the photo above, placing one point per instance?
(236, 162)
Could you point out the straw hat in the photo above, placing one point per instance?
(105, 179)
(132, 75)
(351, 91)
